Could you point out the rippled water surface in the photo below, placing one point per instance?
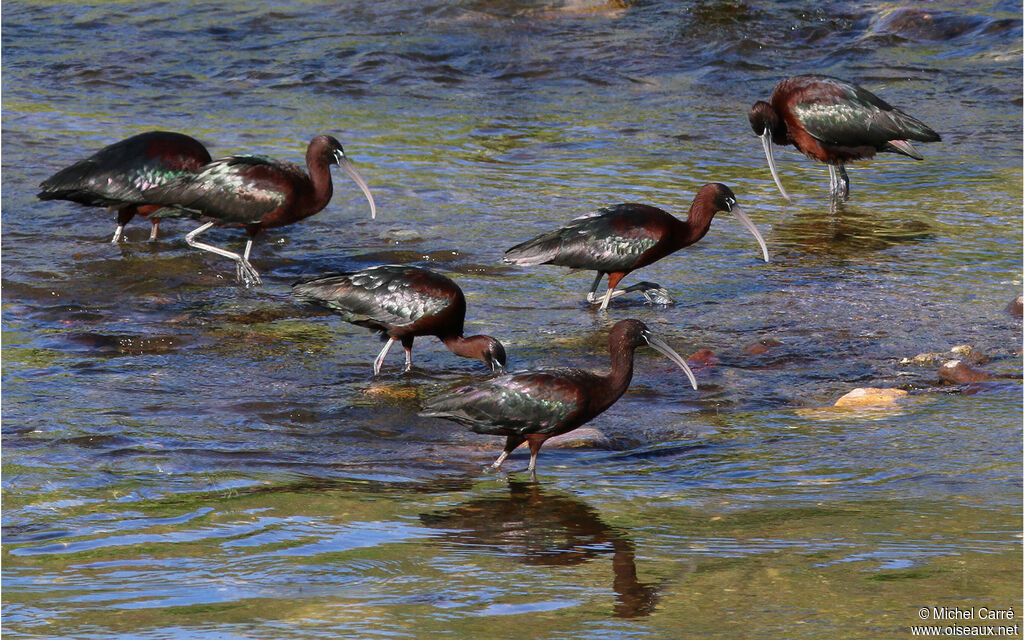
(185, 458)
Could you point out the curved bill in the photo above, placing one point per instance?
(766, 140)
(346, 166)
(749, 224)
(660, 345)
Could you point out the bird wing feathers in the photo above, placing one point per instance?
(848, 115)
(239, 189)
(370, 297)
(94, 182)
(521, 403)
(608, 239)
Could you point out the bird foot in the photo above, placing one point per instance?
(248, 276)
(654, 292)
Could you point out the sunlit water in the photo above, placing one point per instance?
(187, 458)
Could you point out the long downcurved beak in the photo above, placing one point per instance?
(661, 346)
(749, 224)
(766, 140)
(346, 166)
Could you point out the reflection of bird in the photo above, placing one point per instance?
(116, 175)
(402, 302)
(532, 406)
(833, 121)
(548, 529)
(258, 193)
(623, 238)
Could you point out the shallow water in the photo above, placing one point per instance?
(187, 458)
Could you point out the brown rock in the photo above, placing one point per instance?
(959, 372)
(1016, 306)
(870, 397)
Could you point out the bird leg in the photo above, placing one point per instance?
(497, 463)
(511, 442)
(379, 360)
(591, 297)
(844, 183)
(838, 182)
(613, 281)
(534, 442)
(124, 215)
(154, 229)
(246, 274)
(408, 358)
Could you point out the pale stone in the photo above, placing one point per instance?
(869, 396)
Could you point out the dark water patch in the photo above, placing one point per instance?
(120, 344)
(923, 24)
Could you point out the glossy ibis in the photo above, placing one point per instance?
(258, 193)
(835, 122)
(532, 406)
(116, 175)
(622, 238)
(402, 302)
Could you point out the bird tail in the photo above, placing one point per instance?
(451, 404)
(71, 183)
(909, 128)
(904, 148)
(320, 288)
(540, 250)
(914, 129)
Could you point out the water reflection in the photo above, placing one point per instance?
(845, 229)
(544, 528)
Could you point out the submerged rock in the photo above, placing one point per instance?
(870, 397)
(761, 346)
(582, 437)
(702, 358)
(392, 392)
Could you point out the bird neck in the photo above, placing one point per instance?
(471, 347)
(618, 379)
(320, 176)
(697, 222)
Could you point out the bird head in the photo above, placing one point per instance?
(636, 334)
(767, 124)
(494, 355)
(331, 152)
(725, 200)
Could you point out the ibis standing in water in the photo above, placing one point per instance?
(258, 193)
(116, 175)
(402, 302)
(622, 238)
(532, 406)
(835, 122)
